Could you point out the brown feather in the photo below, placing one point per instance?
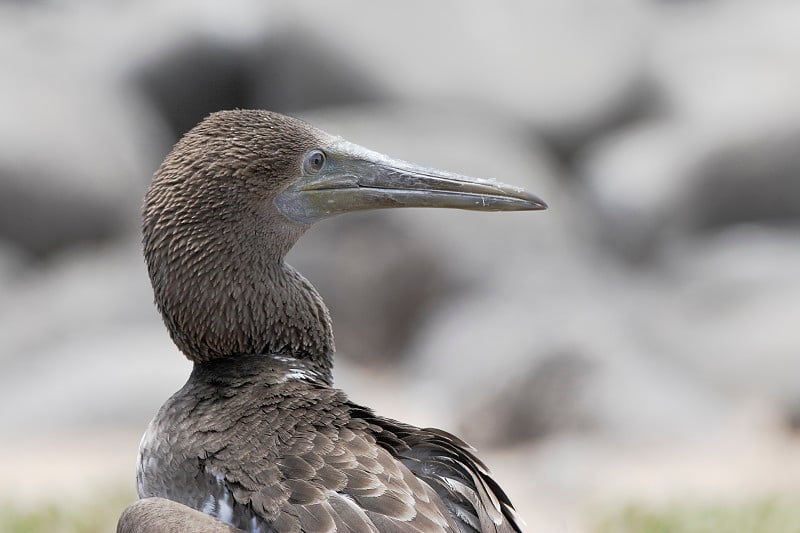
(258, 437)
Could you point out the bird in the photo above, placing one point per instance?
(258, 439)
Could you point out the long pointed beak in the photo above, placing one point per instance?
(353, 178)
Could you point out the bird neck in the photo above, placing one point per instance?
(254, 304)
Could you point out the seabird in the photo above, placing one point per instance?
(258, 439)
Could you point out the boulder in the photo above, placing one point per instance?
(722, 148)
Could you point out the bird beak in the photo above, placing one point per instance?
(353, 178)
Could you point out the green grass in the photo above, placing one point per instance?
(95, 517)
(764, 516)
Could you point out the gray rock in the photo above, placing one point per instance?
(378, 279)
(716, 78)
(75, 151)
(542, 400)
(78, 143)
(12, 264)
(722, 149)
(655, 183)
(732, 312)
(283, 71)
(520, 60)
(478, 355)
(85, 290)
(191, 78)
(108, 378)
(636, 182)
(750, 182)
(83, 346)
(291, 70)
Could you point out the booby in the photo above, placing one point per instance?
(258, 439)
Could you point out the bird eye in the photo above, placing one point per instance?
(315, 159)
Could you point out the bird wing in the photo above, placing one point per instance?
(328, 474)
(301, 457)
(448, 465)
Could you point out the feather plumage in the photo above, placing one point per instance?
(317, 464)
(258, 438)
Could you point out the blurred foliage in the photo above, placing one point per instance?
(763, 516)
(98, 516)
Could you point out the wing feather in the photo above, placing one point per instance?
(327, 464)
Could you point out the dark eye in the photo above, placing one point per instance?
(315, 159)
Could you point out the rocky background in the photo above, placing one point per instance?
(639, 341)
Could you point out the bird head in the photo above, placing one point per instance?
(236, 193)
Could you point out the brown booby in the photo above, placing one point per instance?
(258, 439)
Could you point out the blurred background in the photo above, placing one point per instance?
(626, 361)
